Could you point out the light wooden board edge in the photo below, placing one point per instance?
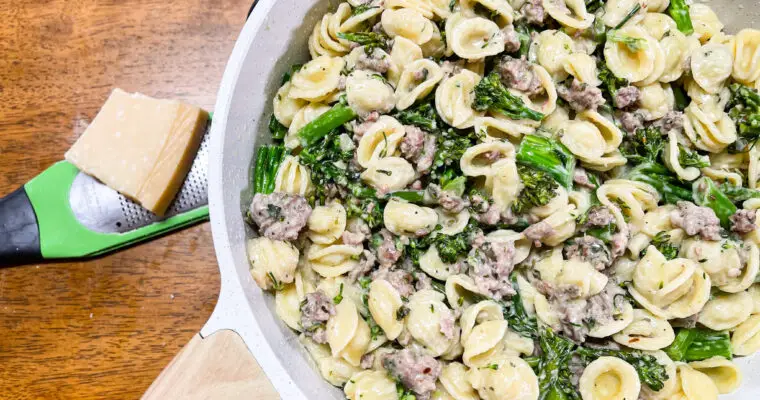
(217, 367)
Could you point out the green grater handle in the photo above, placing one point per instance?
(62, 236)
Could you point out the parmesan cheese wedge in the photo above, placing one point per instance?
(141, 147)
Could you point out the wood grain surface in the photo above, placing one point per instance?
(104, 328)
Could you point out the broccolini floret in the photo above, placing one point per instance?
(422, 115)
(650, 372)
(661, 241)
(491, 95)
(745, 112)
(370, 40)
(538, 189)
(691, 158)
(548, 155)
(645, 145)
(451, 145)
(610, 83)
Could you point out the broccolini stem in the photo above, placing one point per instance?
(738, 193)
(548, 155)
(268, 160)
(706, 194)
(412, 196)
(659, 177)
(699, 344)
(338, 115)
(679, 11)
(277, 129)
(370, 40)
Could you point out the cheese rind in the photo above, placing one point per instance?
(141, 147)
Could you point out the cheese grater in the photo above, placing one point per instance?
(64, 213)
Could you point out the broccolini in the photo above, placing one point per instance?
(491, 95)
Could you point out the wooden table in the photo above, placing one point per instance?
(102, 328)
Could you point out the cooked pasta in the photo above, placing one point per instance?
(521, 199)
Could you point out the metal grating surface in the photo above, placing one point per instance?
(102, 209)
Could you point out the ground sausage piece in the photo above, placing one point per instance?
(414, 140)
(425, 160)
(490, 266)
(366, 263)
(599, 216)
(361, 128)
(398, 278)
(387, 253)
(376, 61)
(518, 74)
(539, 231)
(316, 309)
(447, 199)
(696, 220)
(631, 121)
(367, 361)
(743, 221)
(492, 216)
(627, 96)
(417, 371)
(511, 39)
(448, 324)
(280, 216)
(533, 12)
(581, 96)
(580, 178)
(618, 243)
(672, 121)
(590, 249)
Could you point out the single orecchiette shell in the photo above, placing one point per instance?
(317, 79)
(409, 219)
(426, 312)
(670, 289)
(628, 198)
(478, 160)
(286, 107)
(638, 66)
(366, 92)
(370, 385)
(403, 53)
(705, 21)
(711, 65)
(746, 337)
(333, 260)
(347, 333)
(677, 48)
(327, 223)
(381, 140)
(510, 378)
(473, 38)
(570, 13)
(499, 11)
(725, 374)
(417, 81)
(705, 132)
(334, 370)
(726, 311)
(609, 378)
(504, 184)
(324, 40)
(389, 174)
(454, 381)
(384, 303)
(549, 49)
(623, 319)
(658, 25)
(452, 223)
(454, 98)
(293, 178)
(646, 332)
(273, 262)
(746, 56)
(287, 305)
(407, 23)
(695, 385)
(583, 67)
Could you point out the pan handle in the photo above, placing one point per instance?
(19, 231)
(215, 367)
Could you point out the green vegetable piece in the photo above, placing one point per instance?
(539, 188)
(456, 185)
(633, 44)
(412, 196)
(691, 158)
(268, 160)
(370, 40)
(668, 185)
(548, 155)
(679, 11)
(491, 95)
(662, 243)
(644, 146)
(738, 193)
(706, 194)
(277, 129)
(422, 115)
(697, 344)
(628, 16)
(681, 98)
(338, 115)
(745, 112)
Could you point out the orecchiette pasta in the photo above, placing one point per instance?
(706, 23)
(347, 333)
(550, 49)
(384, 303)
(416, 81)
(658, 25)
(582, 67)
(628, 200)
(333, 260)
(366, 92)
(292, 177)
(641, 65)
(427, 313)
(711, 65)
(646, 332)
(324, 40)
(473, 38)
(287, 305)
(370, 385)
(706, 133)
(726, 376)
(499, 11)
(273, 262)
(503, 184)
(286, 107)
(454, 381)
(431, 263)
(409, 219)
(731, 268)
(305, 115)
(317, 79)
(389, 174)
(407, 23)
(334, 370)
(403, 53)
(510, 378)
(677, 48)
(454, 98)
(479, 160)
(746, 337)
(609, 378)
(570, 13)
(695, 385)
(452, 223)
(746, 52)
(327, 223)
(616, 10)
(670, 289)
(381, 140)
